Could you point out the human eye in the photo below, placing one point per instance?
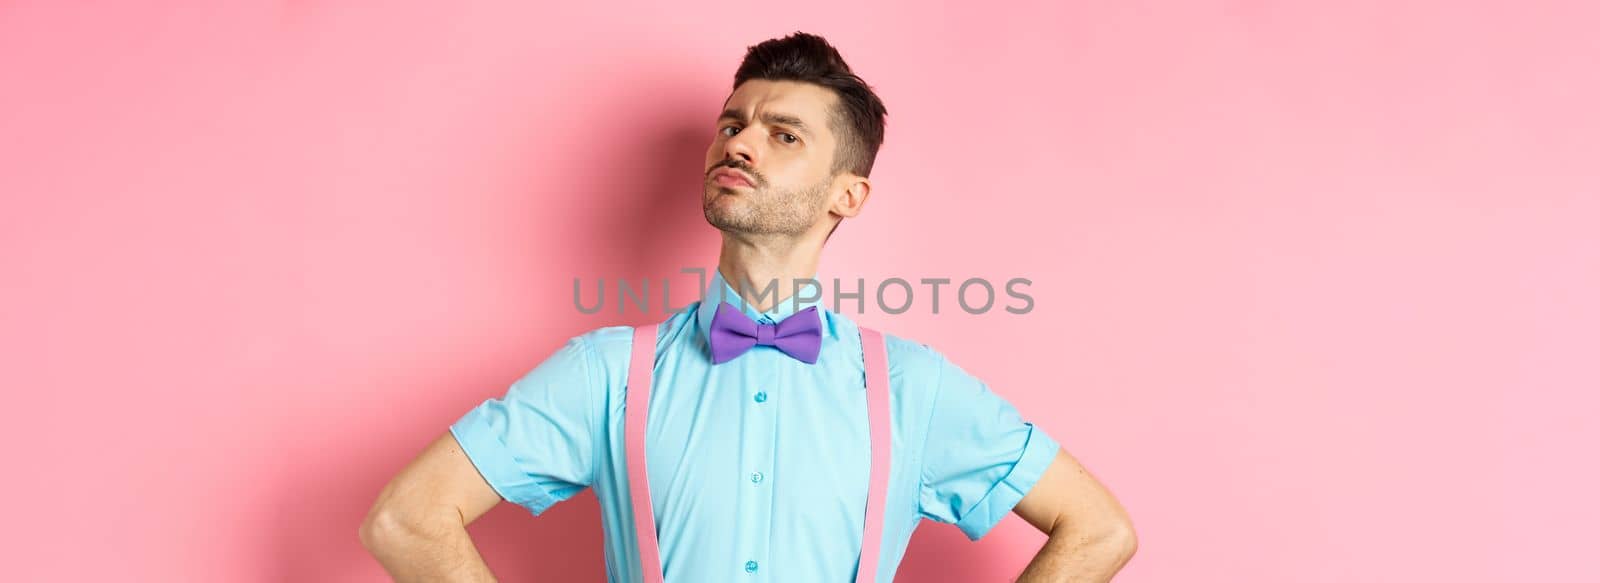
(788, 138)
(724, 130)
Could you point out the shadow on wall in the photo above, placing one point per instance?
(647, 222)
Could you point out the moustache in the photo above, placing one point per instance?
(740, 166)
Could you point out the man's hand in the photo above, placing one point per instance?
(418, 527)
(1091, 537)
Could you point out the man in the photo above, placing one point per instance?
(759, 460)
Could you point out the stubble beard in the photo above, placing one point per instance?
(766, 212)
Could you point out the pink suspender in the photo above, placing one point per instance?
(876, 358)
(641, 367)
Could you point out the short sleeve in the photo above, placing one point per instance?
(535, 444)
(981, 458)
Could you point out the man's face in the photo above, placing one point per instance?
(776, 134)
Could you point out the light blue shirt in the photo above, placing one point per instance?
(757, 466)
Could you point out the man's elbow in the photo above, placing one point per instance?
(381, 529)
(1124, 541)
(1115, 538)
(388, 527)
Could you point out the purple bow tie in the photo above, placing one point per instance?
(732, 333)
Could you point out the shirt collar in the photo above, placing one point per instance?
(719, 291)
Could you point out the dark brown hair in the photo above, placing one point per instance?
(857, 120)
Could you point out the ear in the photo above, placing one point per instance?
(850, 194)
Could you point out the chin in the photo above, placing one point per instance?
(720, 195)
(722, 205)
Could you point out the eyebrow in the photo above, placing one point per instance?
(772, 118)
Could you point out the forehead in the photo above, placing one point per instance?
(813, 104)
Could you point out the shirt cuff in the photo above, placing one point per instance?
(1037, 455)
(498, 466)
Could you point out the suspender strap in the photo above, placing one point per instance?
(641, 366)
(876, 359)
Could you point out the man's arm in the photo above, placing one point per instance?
(418, 527)
(1091, 537)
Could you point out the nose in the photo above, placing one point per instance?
(740, 147)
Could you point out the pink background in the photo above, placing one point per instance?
(1318, 281)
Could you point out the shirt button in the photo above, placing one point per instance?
(761, 397)
(756, 477)
(750, 566)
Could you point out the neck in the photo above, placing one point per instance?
(752, 264)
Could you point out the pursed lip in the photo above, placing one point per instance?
(734, 173)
